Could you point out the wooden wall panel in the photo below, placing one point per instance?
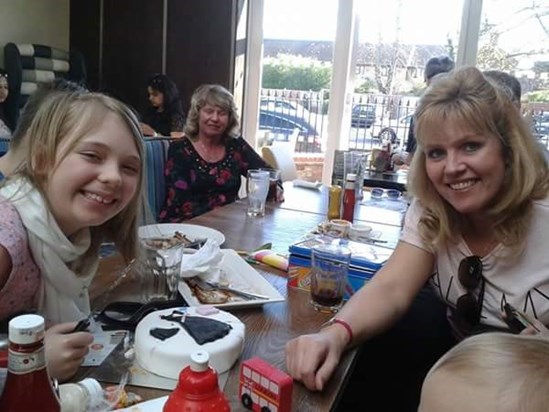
(132, 48)
(200, 44)
(84, 36)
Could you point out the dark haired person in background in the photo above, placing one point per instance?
(5, 124)
(434, 66)
(165, 116)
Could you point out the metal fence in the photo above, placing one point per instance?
(302, 115)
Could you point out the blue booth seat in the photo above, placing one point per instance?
(156, 153)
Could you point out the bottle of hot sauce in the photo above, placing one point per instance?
(28, 385)
(349, 198)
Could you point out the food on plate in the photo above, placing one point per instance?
(167, 242)
(222, 335)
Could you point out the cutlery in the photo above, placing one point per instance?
(204, 285)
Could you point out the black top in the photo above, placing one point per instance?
(163, 122)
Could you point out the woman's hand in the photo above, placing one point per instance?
(65, 351)
(541, 329)
(279, 198)
(312, 359)
(147, 130)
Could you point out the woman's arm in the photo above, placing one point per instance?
(373, 309)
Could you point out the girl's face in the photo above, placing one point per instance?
(466, 168)
(213, 120)
(4, 91)
(97, 179)
(156, 98)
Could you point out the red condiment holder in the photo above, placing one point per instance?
(197, 389)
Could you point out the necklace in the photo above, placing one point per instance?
(210, 153)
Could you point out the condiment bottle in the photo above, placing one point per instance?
(28, 385)
(197, 389)
(349, 198)
(84, 396)
(334, 202)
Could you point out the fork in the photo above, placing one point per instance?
(204, 285)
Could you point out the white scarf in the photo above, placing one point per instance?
(63, 296)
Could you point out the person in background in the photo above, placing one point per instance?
(474, 239)
(165, 116)
(511, 85)
(80, 183)
(13, 158)
(508, 82)
(490, 372)
(434, 66)
(204, 169)
(6, 125)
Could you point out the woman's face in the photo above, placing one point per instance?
(466, 168)
(4, 91)
(156, 98)
(213, 120)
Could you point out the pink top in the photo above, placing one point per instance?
(20, 291)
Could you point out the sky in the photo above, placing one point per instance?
(420, 22)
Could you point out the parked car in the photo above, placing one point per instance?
(281, 124)
(363, 115)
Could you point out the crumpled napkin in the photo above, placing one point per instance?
(206, 259)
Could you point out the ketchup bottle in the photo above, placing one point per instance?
(28, 385)
(349, 198)
(197, 389)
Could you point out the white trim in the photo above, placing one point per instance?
(341, 89)
(254, 63)
(469, 33)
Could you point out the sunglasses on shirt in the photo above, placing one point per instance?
(469, 306)
(392, 194)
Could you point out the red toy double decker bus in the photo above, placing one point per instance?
(264, 388)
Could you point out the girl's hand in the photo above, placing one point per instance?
(65, 351)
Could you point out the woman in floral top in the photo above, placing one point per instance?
(203, 169)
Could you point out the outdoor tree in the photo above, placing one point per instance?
(295, 73)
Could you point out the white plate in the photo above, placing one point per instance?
(241, 276)
(191, 231)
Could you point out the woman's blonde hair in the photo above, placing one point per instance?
(466, 97)
(215, 95)
(66, 118)
(516, 366)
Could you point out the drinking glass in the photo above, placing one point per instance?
(258, 186)
(160, 268)
(329, 267)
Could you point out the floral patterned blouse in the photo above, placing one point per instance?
(195, 186)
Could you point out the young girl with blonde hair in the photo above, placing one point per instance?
(80, 184)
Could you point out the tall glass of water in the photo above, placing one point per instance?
(258, 187)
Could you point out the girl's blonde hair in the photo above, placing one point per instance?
(516, 366)
(69, 117)
(215, 95)
(466, 97)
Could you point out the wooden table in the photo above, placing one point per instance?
(270, 326)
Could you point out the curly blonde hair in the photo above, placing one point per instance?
(467, 97)
(215, 95)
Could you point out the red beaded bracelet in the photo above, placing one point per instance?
(342, 323)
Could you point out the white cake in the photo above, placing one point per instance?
(168, 357)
